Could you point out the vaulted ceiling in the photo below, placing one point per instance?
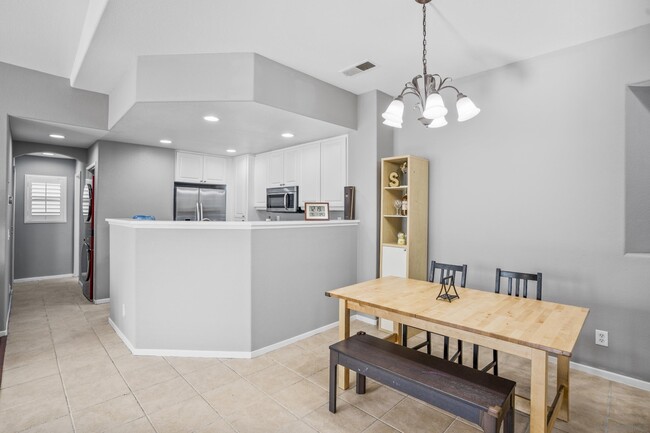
(94, 43)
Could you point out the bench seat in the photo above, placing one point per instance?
(478, 397)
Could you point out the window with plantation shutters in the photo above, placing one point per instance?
(45, 199)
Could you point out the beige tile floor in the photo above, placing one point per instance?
(67, 371)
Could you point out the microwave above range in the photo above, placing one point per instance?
(282, 199)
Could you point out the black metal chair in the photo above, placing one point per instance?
(520, 290)
(446, 270)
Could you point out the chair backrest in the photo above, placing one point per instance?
(519, 277)
(447, 270)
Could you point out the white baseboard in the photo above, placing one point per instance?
(46, 277)
(230, 354)
(614, 377)
(102, 301)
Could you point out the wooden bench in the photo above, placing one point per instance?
(478, 397)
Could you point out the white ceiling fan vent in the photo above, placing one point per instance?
(357, 69)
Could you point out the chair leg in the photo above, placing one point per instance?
(495, 357)
(405, 335)
(460, 352)
(509, 419)
(445, 349)
(428, 343)
(334, 358)
(475, 357)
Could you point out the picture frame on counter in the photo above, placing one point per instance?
(317, 211)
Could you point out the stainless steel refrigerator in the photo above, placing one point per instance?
(199, 203)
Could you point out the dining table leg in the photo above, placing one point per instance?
(538, 391)
(344, 332)
(563, 365)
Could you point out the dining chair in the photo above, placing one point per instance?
(446, 270)
(521, 280)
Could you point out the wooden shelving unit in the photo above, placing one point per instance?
(408, 260)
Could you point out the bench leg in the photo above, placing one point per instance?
(334, 360)
(361, 383)
(489, 424)
(509, 419)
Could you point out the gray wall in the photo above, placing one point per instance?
(637, 169)
(36, 95)
(368, 144)
(43, 249)
(129, 179)
(313, 260)
(536, 183)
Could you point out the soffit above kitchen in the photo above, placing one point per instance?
(100, 45)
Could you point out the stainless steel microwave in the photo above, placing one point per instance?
(282, 199)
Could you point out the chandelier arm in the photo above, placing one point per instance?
(449, 87)
(413, 91)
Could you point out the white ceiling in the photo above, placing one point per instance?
(317, 38)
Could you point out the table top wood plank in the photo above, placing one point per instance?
(544, 325)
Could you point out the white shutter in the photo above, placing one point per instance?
(45, 199)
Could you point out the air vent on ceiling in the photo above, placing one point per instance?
(357, 69)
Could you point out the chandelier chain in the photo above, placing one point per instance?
(424, 37)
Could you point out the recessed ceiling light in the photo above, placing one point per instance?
(231, 150)
(211, 118)
(47, 154)
(59, 136)
(287, 135)
(164, 141)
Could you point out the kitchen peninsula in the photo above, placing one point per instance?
(225, 289)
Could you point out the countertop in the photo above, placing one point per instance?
(223, 225)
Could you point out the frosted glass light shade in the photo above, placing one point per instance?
(394, 111)
(434, 106)
(466, 108)
(392, 123)
(438, 122)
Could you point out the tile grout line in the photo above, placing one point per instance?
(58, 366)
(201, 395)
(126, 383)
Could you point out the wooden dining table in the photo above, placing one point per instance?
(522, 327)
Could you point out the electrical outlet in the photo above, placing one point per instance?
(602, 338)
(123, 310)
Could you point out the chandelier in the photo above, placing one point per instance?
(426, 88)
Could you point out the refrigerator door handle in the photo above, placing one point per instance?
(201, 205)
(198, 215)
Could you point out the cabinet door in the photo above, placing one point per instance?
(393, 261)
(291, 166)
(260, 180)
(309, 173)
(189, 167)
(214, 169)
(334, 171)
(276, 169)
(241, 188)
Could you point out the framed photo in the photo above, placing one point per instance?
(317, 211)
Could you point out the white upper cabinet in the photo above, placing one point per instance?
(260, 180)
(189, 167)
(291, 166)
(319, 169)
(309, 173)
(214, 169)
(199, 168)
(276, 168)
(333, 171)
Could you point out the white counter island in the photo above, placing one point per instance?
(225, 289)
